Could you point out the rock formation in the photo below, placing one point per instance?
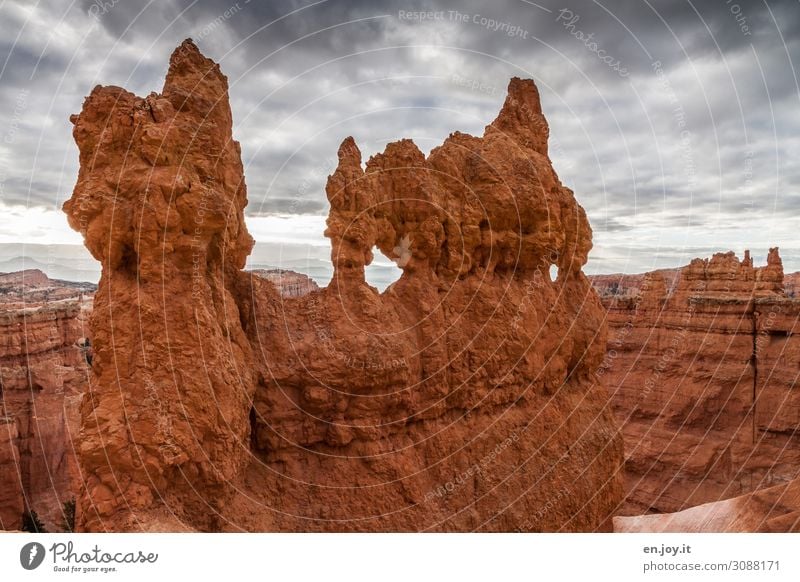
(703, 378)
(20, 281)
(459, 399)
(619, 285)
(159, 200)
(775, 509)
(288, 283)
(791, 284)
(12, 498)
(31, 288)
(44, 356)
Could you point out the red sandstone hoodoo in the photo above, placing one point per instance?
(460, 399)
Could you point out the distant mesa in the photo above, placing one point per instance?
(288, 283)
(31, 287)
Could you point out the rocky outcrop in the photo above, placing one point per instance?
(31, 288)
(43, 373)
(288, 283)
(791, 284)
(459, 399)
(624, 285)
(775, 509)
(172, 376)
(23, 280)
(703, 378)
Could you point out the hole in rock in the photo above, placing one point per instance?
(553, 272)
(382, 272)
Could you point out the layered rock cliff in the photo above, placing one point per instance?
(460, 399)
(44, 365)
(791, 283)
(703, 374)
(288, 283)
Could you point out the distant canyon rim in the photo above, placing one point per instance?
(492, 387)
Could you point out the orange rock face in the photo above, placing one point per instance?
(703, 378)
(459, 399)
(791, 283)
(288, 283)
(43, 373)
(12, 498)
(618, 285)
(159, 200)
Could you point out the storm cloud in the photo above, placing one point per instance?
(675, 123)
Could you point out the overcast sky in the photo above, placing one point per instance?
(677, 124)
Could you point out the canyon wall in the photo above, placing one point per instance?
(43, 373)
(703, 371)
(460, 399)
(288, 283)
(791, 283)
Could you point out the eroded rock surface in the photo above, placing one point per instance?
(44, 367)
(791, 283)
(703, 371)
(774, 509)
(460, 399)
(159, 201)
(288, 283)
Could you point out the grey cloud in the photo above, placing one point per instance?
(615, 140)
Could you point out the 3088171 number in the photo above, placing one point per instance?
(755, 565)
